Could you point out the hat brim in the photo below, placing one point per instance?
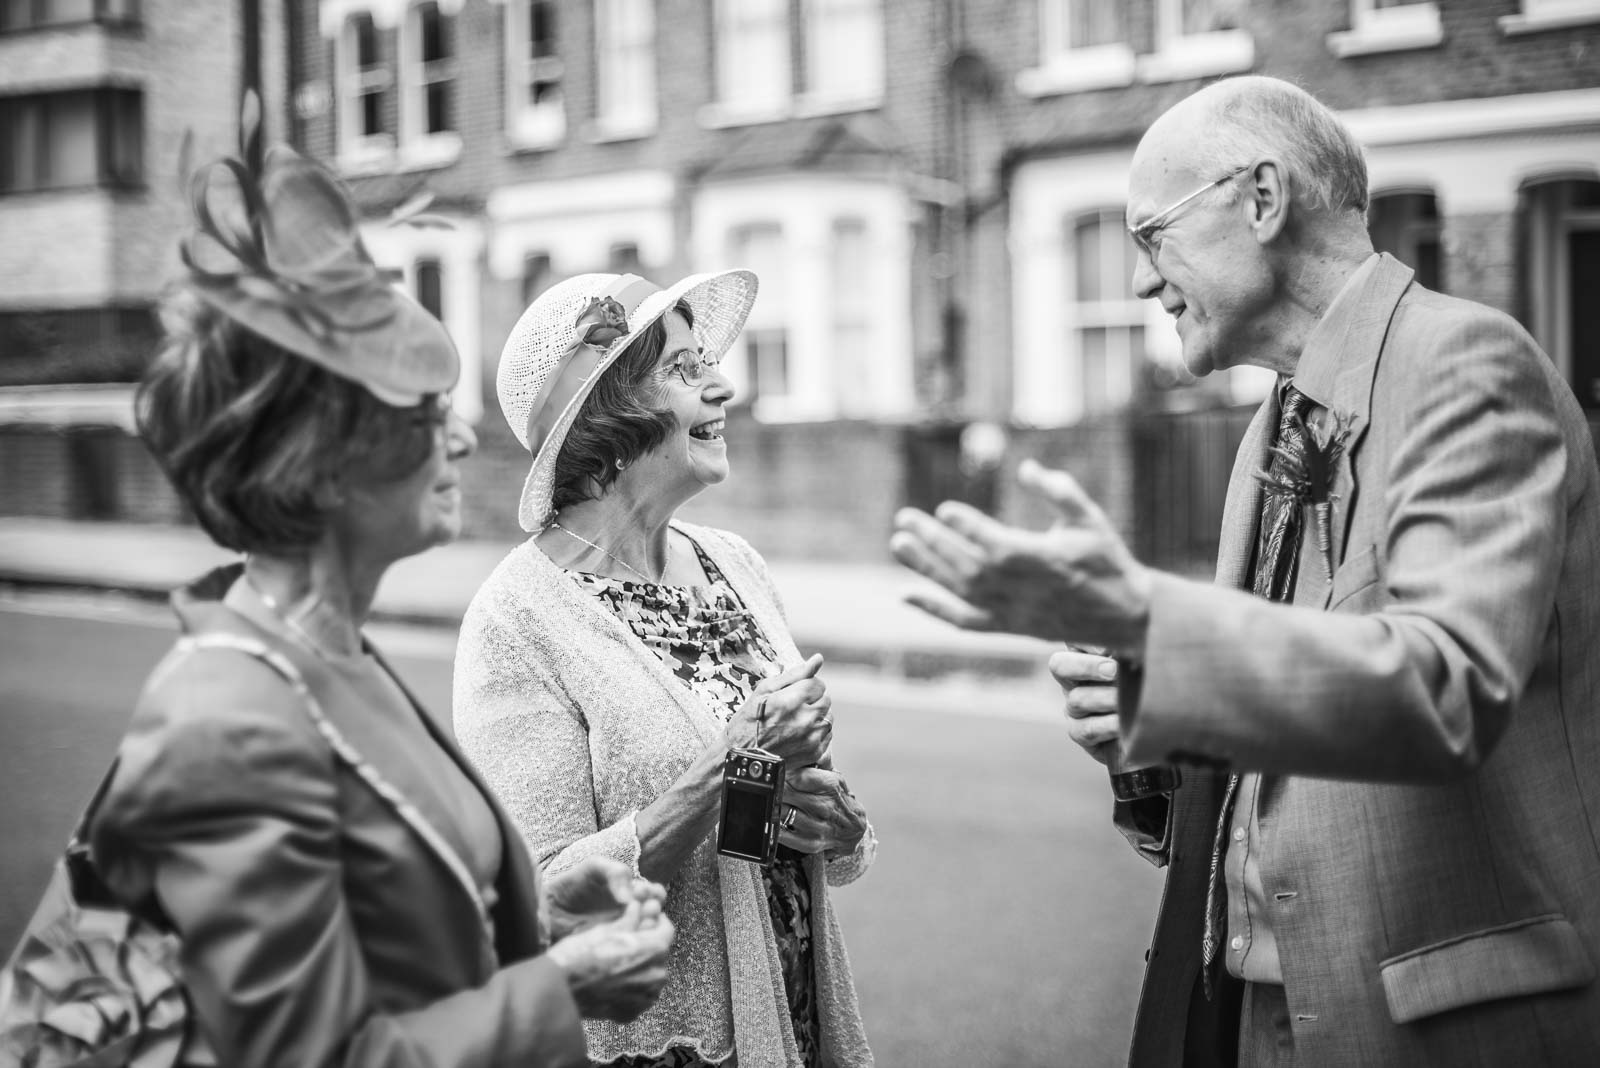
(408, 356)
(721, 301)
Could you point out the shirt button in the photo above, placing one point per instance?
(1237, 942)
(1238, 834)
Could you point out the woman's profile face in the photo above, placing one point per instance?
(694, 455)
(400, 517)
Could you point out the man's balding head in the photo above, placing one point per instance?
(1232, 123)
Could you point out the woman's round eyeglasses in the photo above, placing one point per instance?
(693, 367)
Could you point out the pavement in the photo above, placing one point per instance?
(853, 613)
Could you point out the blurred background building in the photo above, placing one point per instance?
(932, 192)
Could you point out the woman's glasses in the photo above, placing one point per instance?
(693, 367)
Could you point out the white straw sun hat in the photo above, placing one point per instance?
(573, 332)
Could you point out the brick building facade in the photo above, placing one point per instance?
(932, 192)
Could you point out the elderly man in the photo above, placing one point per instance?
(1386, 846)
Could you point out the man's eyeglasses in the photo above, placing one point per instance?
(693, 367)
(1147, 235)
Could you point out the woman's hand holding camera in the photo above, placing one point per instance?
(616, 968)
(827, 817)
(797, 720)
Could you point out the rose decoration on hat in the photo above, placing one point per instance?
(602, 323)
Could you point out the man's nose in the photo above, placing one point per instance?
(1147, 280)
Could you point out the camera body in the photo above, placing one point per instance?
(752, 797)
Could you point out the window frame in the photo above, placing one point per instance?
(356, 147)
(105, 104)
(816, 97)
(529, 125)
(616, 120)
(419, 146)
(1540, 15)
(731, 103)
(1064, 67)
(1180, 55)
(1387, 29)
(99, 15)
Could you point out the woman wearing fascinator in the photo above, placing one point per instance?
(627, 684)
(342, 887)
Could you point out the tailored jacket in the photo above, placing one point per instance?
(1426, 719)
(578, 725)
(324, 916)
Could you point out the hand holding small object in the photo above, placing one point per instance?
(1076, 582)
(1088, 682)
(821, 815)
(597, 889)
(616, 969)
(789, 714)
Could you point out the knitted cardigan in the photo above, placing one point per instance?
(577, 725)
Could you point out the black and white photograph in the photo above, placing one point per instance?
(799, 533)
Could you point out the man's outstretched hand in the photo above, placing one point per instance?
(1076, 582)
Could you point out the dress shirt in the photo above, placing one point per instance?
(1251, 950)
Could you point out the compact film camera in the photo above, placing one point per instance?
(752, 798)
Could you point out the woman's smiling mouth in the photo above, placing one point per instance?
(711, 430)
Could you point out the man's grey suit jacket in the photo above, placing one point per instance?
(1427, 717)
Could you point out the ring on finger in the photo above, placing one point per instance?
(788, 817)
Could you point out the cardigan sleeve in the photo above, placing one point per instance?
(514, 723)
(224, 813)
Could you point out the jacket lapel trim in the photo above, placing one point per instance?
(1241, 510)
(511, 838)
(1342, 368)
(352, 757)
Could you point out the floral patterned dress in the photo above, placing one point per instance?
(711, 642)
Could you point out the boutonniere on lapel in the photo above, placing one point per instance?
(1304, 472)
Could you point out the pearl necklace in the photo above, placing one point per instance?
(607, 553)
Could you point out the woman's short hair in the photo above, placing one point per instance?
(620, 421)
(249, 433)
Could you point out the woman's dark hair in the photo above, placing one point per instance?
(619, 420)
(249, 432)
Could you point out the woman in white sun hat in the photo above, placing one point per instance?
(612, 660)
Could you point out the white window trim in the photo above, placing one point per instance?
(805, 209)
(356, 152)
(612, 127)
(812, 101)
(527, 127)
(1180, 56)
(1537, 15)
(457, 252)
(1064, 68)
(1107, 66)
(576, 221)
(722, 112)
(1387, 29)
(417, 150)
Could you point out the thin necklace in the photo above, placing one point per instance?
(299, 632)
(606, 552)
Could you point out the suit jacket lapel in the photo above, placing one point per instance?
(1241, 511)
(1337, 370)
(516, 921)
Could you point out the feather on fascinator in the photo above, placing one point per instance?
(276, 248)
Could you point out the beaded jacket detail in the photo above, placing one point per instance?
(577, 725)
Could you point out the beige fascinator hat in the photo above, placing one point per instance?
(578, 328)
(276, 249)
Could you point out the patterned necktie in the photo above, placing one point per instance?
(1277, 551)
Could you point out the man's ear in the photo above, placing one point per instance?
(1267, 195)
